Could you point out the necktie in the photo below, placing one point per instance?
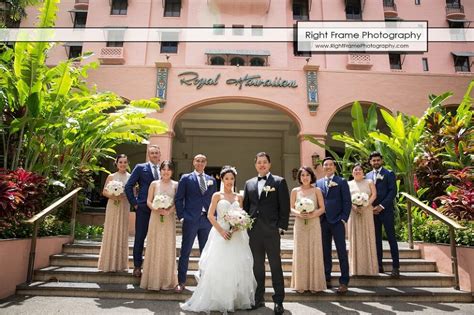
(328, 180)
(376, 173)
(202, 184)
(155, 172)
(262, 178)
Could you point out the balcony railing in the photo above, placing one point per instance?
(112, 56)
(390, 9)
(359, 62)
(455, 10)
(81, 4)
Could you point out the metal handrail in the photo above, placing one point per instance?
(36, 219)
(444, 219)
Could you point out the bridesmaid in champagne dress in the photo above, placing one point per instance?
(159, 272)
(308, 264)
(114, 249)
(362, 250)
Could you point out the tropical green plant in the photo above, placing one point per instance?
(12, 11)
(358, 144)
(53, 123)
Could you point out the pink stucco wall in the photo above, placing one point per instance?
(15, 254)
(442, 255)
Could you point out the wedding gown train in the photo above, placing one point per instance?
(227, 282)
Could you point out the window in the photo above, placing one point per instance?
(417, 2)
(257, 30)
(237, 30)
(169, 48)
(453, 3)
(395, 61)
(119, 7)
(172, 8)
(461, 64)
(114, 44)
(75, 51)
(296, 52)
(300, 10)
(80, 19)
(353, 10)
(218, 29)
(425, 64)
(237, 61)
(455, 24)
(388, 3)
(217, 61)
(257, 62)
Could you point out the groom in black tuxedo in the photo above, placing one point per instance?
(337, 202)
(266, 199)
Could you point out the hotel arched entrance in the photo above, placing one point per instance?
(232, 133)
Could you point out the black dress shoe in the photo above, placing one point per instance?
(258, 305)
(381, 270)
(395, 273)
(328, 285)
(278, 309)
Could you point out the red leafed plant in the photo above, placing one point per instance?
(458, 203)
(21, 196)
(10, 197)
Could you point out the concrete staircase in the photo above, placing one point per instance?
(74, 273)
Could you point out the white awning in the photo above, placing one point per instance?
(463, 53)
(238, 52)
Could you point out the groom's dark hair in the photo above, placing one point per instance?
(261, 154)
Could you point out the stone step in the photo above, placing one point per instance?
(133, 292)
(90, 260)
(78, 248)
(91, 274)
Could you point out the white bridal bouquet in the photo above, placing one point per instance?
(360, 199)
(115, 188)
(238, 219)
(162, 201)
(304, 205)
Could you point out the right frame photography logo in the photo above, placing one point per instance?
(369, 36)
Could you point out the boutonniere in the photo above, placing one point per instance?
(210, 182)
(268, 189)
(379, 177)
(332, 184)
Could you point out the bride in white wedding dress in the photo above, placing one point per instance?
(226, 280)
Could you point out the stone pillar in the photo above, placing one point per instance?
(165, 142)
(308, 149)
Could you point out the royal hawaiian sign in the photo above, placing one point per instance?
(192, 78)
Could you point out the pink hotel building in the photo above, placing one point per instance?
(229, 123)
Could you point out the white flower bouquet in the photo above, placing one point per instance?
(162, 201)
(304, 205)
(115, 188)
(238, 219)
(360, 199)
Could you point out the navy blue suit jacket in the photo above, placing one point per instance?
(143, 175)
(337, 199)
(189, 200)
(386, 189)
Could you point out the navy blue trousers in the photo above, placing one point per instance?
(141, 229)
(388, 222)
(338, 232)
(201, 229)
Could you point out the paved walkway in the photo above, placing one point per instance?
(67, 305)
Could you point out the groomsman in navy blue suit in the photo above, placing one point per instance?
(337, 201)
(385, 183)
(143, 174)
(192, 201)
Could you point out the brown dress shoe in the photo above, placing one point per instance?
(342, 289)
(137, 272)
(179, 288)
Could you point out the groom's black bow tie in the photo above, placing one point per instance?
(261, 178)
